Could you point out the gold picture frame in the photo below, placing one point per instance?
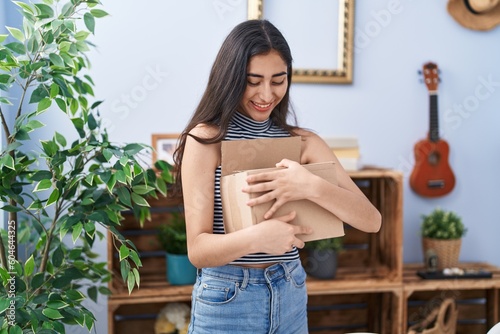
(343, 74)
(164, 145)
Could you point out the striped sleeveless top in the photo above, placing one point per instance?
(242, 127)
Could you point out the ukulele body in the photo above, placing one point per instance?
(432, 175)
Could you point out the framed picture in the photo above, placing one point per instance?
(330, 24)
(164, 146)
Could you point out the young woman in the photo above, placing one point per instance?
(252, 281)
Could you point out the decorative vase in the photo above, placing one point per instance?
(179, 270)
(446, 251)
(321, 263)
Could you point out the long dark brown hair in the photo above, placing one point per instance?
(228, 80)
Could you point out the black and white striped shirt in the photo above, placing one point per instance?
(242, 127)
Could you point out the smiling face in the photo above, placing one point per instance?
(266, 85)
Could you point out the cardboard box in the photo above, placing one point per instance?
(246, 157)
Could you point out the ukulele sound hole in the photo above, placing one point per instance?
(433, 158)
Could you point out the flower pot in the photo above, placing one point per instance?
(179, 270)
(447, 251)
(321, 263)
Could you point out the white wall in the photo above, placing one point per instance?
(386, 106)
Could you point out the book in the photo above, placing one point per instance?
(346, 149)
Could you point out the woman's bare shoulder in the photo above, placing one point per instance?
(307, 135)
(204, 131)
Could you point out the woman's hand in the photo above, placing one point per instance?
(278, 235)
(290, 183)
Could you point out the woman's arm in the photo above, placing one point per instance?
(205, 249)
(294, 182)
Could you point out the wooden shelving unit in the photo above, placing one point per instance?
(371, 292)
(365, 295)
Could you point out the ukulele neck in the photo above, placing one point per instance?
(433, 117)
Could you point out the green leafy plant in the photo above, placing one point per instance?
(336, 244)
(172, 235)
(61, 191)
(441, 224)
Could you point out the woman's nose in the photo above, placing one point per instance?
(266, 93)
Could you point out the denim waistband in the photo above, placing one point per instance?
(245, 275)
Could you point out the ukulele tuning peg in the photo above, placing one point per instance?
(421, 81)
(419, 72)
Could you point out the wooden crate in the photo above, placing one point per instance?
(378, 255)
(355, 312)
(153, 270)
(477, 299)
(128, 318)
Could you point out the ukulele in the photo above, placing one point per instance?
(432, 175)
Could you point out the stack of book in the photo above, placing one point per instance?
(346, 149)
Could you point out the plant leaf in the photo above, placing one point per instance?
(7, 161)
(98, 13)
(15, 330)
(11, 208)
(124, 196)
(17, 34)
(139, 200)
(124, 252)
(57, 304)
(54, 90)
(54, 196)
(92, 293)
(29, 266)
(4, 304)
(43, 185)
(44, 11)
(137, 276)
(130, 283)
(57, 257)
(142, 189)
(34, 124)
(89, 22)
(77, 230)
(17, 47)
(52, 314)
(37, 280)
(56, 60)
(44, 104)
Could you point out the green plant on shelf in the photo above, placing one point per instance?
(336, 244)
(172, 235)
(442, 224)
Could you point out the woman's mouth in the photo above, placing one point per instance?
(261, 107)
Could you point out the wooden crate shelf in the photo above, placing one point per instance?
(370, 270)
(477, 300)
(353, 312)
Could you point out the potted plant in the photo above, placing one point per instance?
(442, 233)
(172, 237)
(321, 257)
(62, 190)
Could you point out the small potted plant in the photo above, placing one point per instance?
(321, 257)
(172, 237)
(442, 233)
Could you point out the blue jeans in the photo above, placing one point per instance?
(233, 299)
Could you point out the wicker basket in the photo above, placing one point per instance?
(441, 320)
(447, 251)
